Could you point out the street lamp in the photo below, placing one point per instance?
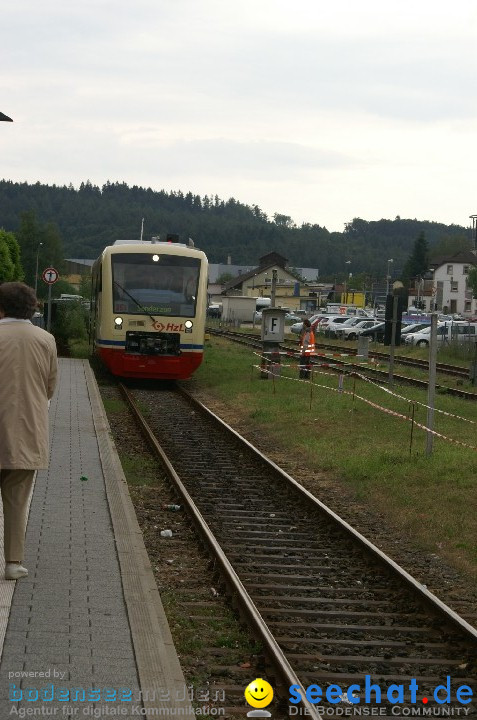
(388, 276)
(36, 270)
(348, 262)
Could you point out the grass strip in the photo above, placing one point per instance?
(433, 498)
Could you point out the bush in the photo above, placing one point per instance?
(70, 322)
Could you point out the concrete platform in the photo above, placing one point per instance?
(89, 615)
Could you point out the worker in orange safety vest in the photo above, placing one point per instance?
(307, 349)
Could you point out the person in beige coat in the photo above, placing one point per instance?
(28, 368)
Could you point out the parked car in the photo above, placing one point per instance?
(214, 310)
(349, 322)
(331, 324)
(298, 327)
(414, 327)
(375, 333)
(351, 333)
(457, 331)
(292, 318)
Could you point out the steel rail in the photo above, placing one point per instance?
(353, 368)
(425, 595)
(238, 591)
(444, 368)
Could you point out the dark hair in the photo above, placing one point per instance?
(17, 300)
(306, 323)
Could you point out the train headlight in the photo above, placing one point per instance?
(188, 326)
(155, 258)
(118, 323)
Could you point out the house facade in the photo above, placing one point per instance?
(445, 287)
(291, 292)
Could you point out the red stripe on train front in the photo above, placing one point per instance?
(162, 367)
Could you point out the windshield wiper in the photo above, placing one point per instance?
(141, 307)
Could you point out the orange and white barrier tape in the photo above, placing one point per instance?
(366, 361)
(417, 402)
(387, 411)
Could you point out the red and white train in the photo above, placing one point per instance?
(149, 307)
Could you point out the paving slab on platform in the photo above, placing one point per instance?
(88, 615)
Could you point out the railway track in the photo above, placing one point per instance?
(328, 606)
(339, 363)
(444, 368)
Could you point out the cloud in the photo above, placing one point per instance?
(259, 159)
(354, 103)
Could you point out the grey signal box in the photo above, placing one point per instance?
(273, 325)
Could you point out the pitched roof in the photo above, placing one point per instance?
(246, 276)
(273, 258)
(465, 257)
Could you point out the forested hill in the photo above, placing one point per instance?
(89, 218)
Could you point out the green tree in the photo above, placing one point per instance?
(450, 245)
(85, 286)
(418, 261)
(52, 248)
(42, 242)
(472, 280)
(63, 286)
(15, 255)
(92, 217)
(29, 239)
(6, 264)
(10, 266)
(359, 281)
(283, 220)
(70, 322)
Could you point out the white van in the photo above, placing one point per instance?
(453, 331)
(349, 310)
(263, 302)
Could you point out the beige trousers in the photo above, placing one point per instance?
(15, 486)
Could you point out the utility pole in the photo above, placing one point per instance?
(274, 288)
(393, 341)
(348, 262)
(474, 230)
(388, 276)
(431, 388)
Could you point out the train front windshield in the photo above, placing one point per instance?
(155, 284)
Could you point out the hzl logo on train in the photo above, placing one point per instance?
(170, 327)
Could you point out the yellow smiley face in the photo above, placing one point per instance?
(259, 693)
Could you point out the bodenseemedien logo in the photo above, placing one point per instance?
(259, 694)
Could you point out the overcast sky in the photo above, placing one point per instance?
(323, 110)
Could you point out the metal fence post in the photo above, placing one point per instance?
(431, 390)
(393, 341)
